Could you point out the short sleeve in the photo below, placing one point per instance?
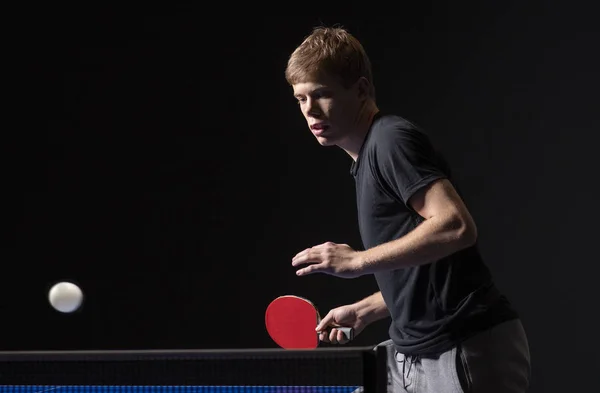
(404, 160)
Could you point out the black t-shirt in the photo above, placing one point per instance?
(433, 306)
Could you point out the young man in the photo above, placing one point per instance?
(451, 330)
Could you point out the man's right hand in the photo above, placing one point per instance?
(357, 316)
(345, 316)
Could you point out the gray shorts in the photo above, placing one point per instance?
(494, 361)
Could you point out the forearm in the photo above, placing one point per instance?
(433, 239)
(371, 308)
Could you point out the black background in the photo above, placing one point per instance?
(160, 162)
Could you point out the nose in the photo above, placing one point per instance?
(312, 108)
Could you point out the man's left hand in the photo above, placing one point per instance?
(330, 258)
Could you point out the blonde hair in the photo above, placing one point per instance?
(331, 51)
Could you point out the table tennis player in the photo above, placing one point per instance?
(451, 329)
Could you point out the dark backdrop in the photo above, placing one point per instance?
(162, 164)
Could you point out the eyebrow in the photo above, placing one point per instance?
(312, 91)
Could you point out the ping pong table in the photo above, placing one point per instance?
(322, 370)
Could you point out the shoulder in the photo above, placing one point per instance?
(393, 133)
(386, 126)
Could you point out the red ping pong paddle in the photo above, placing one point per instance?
(291, 323)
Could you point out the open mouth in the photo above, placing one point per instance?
(319, 128)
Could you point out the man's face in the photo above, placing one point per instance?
(329, 108)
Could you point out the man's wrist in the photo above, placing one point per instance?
(362, 262)
(371, 309)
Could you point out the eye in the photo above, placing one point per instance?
(322, 94)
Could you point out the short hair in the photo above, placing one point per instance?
(331, 51)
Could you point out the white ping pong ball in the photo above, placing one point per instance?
(65, 297)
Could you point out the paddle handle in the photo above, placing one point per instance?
(348, 332)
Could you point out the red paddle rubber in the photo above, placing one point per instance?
(291, 323)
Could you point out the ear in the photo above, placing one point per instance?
(363, 88)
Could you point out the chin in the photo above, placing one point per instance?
(324, 141)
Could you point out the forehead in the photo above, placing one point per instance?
(316, 83)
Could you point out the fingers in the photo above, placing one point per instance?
(301, 254)
(333, 336)
(337, 337)
(312, 254)
(315, 268)
(328, 332)
(324, 322)
(306, 256)
(324, 336)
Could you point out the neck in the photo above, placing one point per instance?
(355, 139)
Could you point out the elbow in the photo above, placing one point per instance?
(467, 233)
(464, 231)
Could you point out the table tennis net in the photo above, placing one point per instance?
(343, 370)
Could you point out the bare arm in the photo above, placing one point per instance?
(371, 308)
(448, 227)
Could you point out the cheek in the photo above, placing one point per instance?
(340, 112)
(329, 109)
(304, 110)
